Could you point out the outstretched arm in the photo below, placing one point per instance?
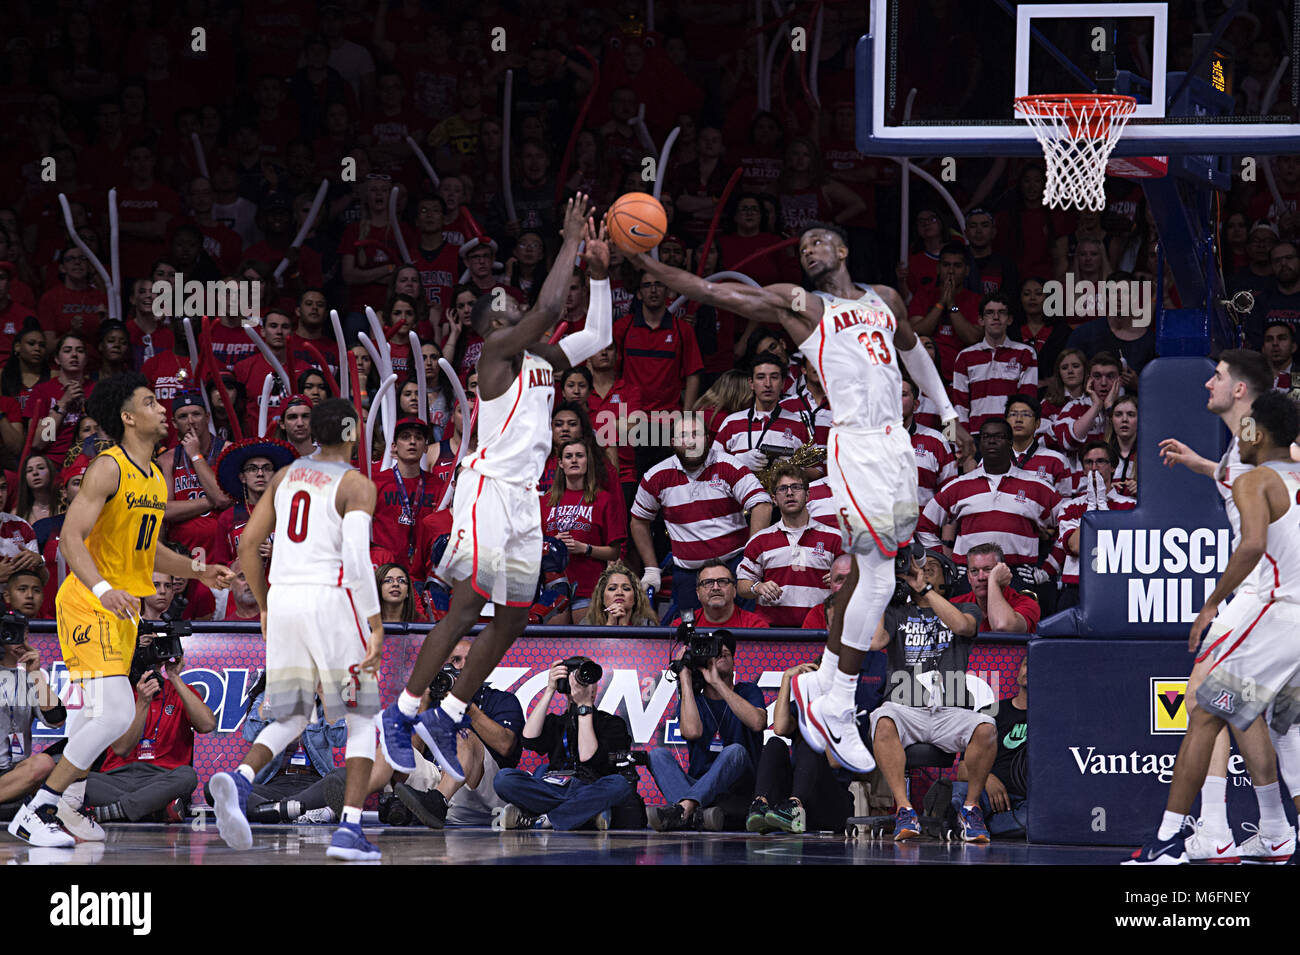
(790, 305)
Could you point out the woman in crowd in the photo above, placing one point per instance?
(62, 398)
(619, 600)
(396, 598)
(732, 392)
(408, 398)
(575, 385)
(1046, 335)
(808, 195)
(26, 367)
(1087, 227)
(526, 269)
(312, 383)
(1066, 383)
(587, 518)
(1121, 434)
(367, 375)
(37, 490)
(113, 348)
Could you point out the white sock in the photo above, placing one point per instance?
(1287, 746)
(454, 707)
(408, 704)
(1214, 804)
(825, 674)
(1272, 818)
(246, 771)
(1170, 825)
(352, 814)
(842, 691)
(44, 797)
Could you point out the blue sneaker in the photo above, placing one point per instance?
(230, 803)
(395, 729)
(438, 731)
(906, 825)
(972, 825)
(351, 845)
(1165, 851)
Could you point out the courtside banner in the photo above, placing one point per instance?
(1145, 573)
(223, 668)
(1106, 718)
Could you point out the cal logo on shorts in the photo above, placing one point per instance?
(1168, 705)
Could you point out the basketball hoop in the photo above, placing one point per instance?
(1077, 131)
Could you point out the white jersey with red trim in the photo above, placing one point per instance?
(514, 429)
(853, 349)
(1277, 576)
(1230, 468)
(308, 526)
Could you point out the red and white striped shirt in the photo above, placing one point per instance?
(1046, 465)
(803, 408)
(927, 413)
(821, 504)
(1062, 425)
(1069, 516)
(704, 513)
(985, 376)
(936, 463)
(1006, 510)
(748, 430)
(795, 558)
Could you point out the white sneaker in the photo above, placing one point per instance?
(804, 689)
(321, 816)
(1211, 846)
(79, 822)
(840, 730)
(1265, 849)
(40, 827)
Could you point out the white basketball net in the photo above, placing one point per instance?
(1078, 134)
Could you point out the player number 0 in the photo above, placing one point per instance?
(299, 508)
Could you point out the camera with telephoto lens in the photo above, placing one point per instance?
(442, 683)
(583, 669)
(13, 629)
(627, 758)
(166, 644)
(902, 567)
(700, 648)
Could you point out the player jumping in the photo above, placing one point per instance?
(854, 336)
(110, 543)
(320, 619)
(495, 550)
(1254, 668)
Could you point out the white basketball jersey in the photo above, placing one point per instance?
(1230, 468)
(514, 429)
(853, 349)
(308, 527)
(1277, 576)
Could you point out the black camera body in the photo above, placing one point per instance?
(700, 648)
(442, 683)
(583, 669)
(13, 629)
(628, 758)
(166, 644)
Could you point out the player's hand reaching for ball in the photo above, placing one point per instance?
(575, 218)
(596, 254)
(121, 604)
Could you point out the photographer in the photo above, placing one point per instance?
(723, 727)
(23, 690)
(580, 783)
(490, 744)
(929, 641)
(149, 768)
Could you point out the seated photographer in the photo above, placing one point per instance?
(580, 783)
(619, 600)
(149, 768)
(723, 727)
(929, 640)
(1005, 798)
(490, 743)
(1002, 609)
(797, 788)
(785, 566)
(23, 690)
(716, 590)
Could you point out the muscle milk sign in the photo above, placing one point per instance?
(1146, 572)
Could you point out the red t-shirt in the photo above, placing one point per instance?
(164, 372)
(1022, 604)
(438, 274)
(141, 205)
(602, 523)
(62, 310)
(230, 346)
(739, 619)
(379, 247)
(43, 397)
(432, 526)
(11, 323)
(159, 341)
(657, 361)
(387, 530)
(945, 337)
(222, 244)
(328, 348)
(610, 414)
(167, 740)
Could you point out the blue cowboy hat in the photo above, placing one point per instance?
(235, 456)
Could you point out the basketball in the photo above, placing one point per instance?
(637, 222)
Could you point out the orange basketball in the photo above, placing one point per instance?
(637, 222)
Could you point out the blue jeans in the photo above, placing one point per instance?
(684, 592)
(999, 823)
(732, 764)
(568, 806)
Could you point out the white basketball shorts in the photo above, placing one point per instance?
(1254, 665)
(872, 475)
(496, 540)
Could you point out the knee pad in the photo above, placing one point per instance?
(276, 735)
(107, 708)
(1287, 747)
(870, 597)
(361, 736)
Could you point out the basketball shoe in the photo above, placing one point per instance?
(230, 793)
(804, 689)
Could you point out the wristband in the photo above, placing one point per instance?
(195, 458)
(100, 589)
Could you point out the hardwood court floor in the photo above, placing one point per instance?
(157, 845)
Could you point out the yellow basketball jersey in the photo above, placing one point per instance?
(124, 540)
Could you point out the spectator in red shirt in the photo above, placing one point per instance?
(715, 587)
(61, 400)
(1004, 610)
(312, 312)
(244, 470)
(294, 425)
(437, 259)
(660, 355)
(150, 335)
(146, 207)
(25, 369)
(949, 313)
(75, 304)
(221, 242)
(251, 372)
(369, 253)
(13, 314)
(817, 618)
(587, 518)
(240, 602)
(189, 470)
(149, 768)
(405, 492)
(276, 221)
(993, 272)
(1047, 335)
(397, 599)
(920, 271)
(697, 186)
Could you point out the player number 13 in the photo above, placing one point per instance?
(877, 347)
